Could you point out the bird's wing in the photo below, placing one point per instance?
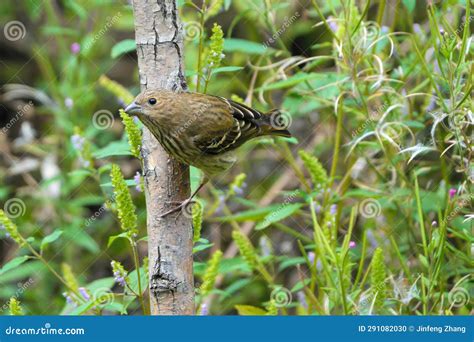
(243, 125)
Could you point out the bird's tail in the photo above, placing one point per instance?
(277, 123)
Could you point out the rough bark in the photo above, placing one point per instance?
(160, 52)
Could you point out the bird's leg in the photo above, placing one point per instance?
(186, 202)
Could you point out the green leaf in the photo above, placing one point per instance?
(299, 285)
(13, 263)
(245, 46)
(129, 182)
(99, 284)
(123, 235)
(81, 173)
(77, 9)
(58, 31)
(116, 148)
(410, 5)
(202, 247)
(234, 287)
(233, 265)
(414, 124)
(123, 47)
(116, 307)
(80, 237)
(361, 193)
(249, 215)
(249, 310)
(82, 308)
(51, 238)
(291, 262)
(282, 212)
(133, 280)
(23, 271)
(290, 81)
(226, 69)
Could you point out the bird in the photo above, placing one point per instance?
(203, 130)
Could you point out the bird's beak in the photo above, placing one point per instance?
(133, 109)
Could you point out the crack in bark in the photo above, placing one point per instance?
(161, 281)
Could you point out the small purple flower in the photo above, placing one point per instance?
(333, 209)
(77, 141)
(220, 208)
(84, 293)
(302, 299)
(239, 191)
(452, 192)
(318, 209)
(204, 310)
(434, 224)
(352, 244)
(69, 299)
(332, 24)
(2, 227)
(319, 265)
(372, 240)
(85, 163)
(75, 48)
(311, 257)
(119, 273)
(68, 102)
(432, 104)
(138, 181)
(417, 29)
(119, 279)
(265, 246)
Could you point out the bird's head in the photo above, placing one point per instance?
(150, 104)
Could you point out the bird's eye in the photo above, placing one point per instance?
(152, 101)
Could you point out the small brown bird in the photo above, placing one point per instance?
(203, 130)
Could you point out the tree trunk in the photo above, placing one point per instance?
(159, 43)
